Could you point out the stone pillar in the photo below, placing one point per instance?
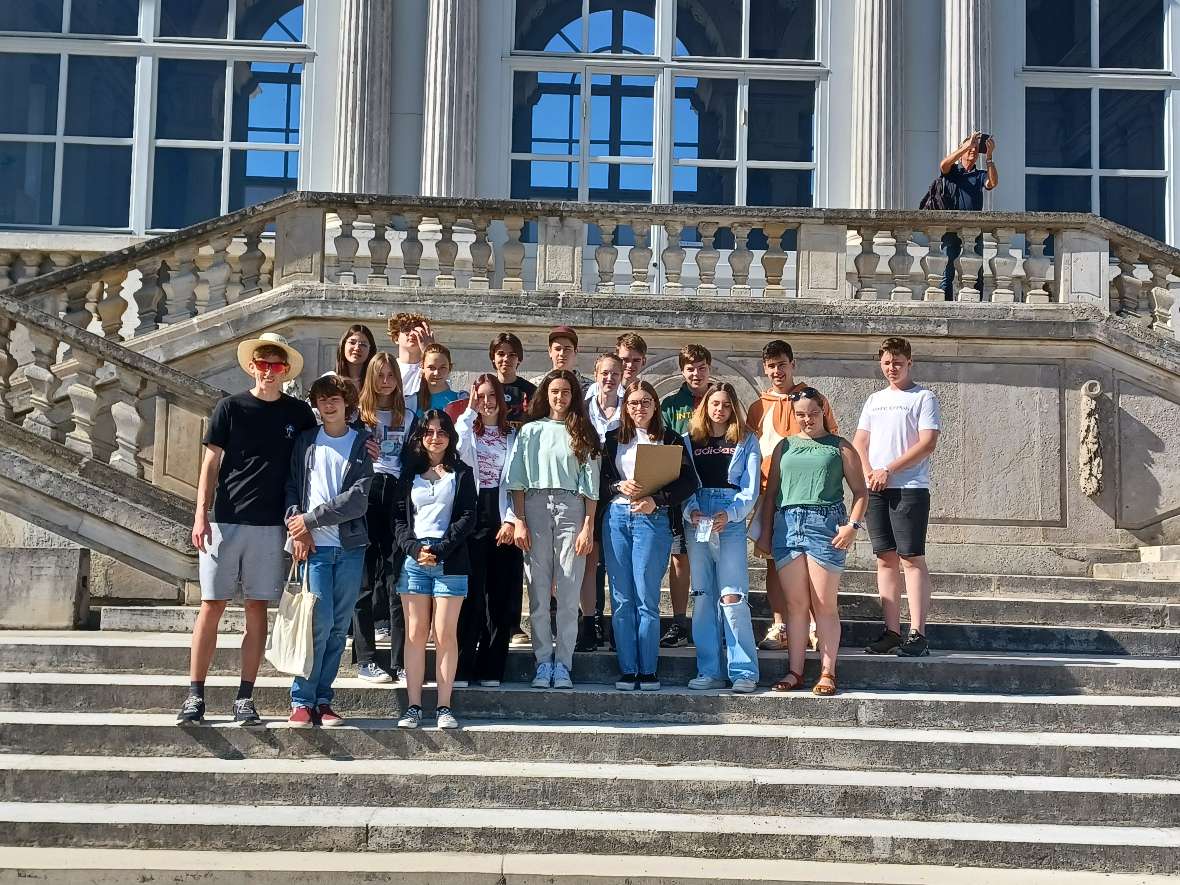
(966, 70)
(449, 110)
(876, 105)
(364, 106)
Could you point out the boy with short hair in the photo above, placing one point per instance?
(506, 354)
(563, 354)
(772, 419)
(895, 437)
(632, 351)
(695, 362)
(246, 459)
(327, 497)
(411, 333)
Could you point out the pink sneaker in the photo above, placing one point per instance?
(301, 717)
(328, 717)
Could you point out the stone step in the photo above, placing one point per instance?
(578, 785)
(1157, 713)
(762, 746)
(1161, 571)
(93, 653)
(1166, 553)
(112, 866)
(350, 828)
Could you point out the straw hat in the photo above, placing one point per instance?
(246, 353)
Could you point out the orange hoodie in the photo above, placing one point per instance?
(772, 419)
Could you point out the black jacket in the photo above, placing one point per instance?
(671, 496)
(452, 549)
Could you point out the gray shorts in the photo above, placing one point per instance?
(247, 555)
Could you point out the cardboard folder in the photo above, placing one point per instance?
(656, 466)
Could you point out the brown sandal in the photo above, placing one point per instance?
(822, 690)
(790, 682)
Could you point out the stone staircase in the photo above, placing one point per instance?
(1154, 564)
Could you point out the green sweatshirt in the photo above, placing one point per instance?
(544, 459)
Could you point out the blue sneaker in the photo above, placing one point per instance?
(373, 673)
(561, 676)
(544, 677)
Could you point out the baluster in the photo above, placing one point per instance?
(605, 256)
(970, 265)
(43, 386)
(30, 265)
(130, 396)
(346, 246)
(513, 255)
(1036, 268)
(181, 287)
(640, 258)
(218, 273)
(411, 252)
(379, 249)
(446, 250)
(934, 265)
(865, 263)
(672, 257)
(6, 259)
(147, 296)
(251, 261)
(1161, 298)
(62, 260)
(84, 400)
(481, 256)
(707, 258)
(112, 305)
(7, 367)
(740, 260)
(233, 286)
(900, 264)
(76, 313)
(201, 292)
(1003, 265)
(1128, 285)
(774, 260)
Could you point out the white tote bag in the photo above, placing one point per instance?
(290, 648)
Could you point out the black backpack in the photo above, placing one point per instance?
(941, 195)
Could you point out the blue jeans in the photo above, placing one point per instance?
(334, 579)
(636, 549)
(719, 568)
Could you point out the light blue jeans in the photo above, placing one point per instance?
(334, 579)
(719, 568)
(636, 550)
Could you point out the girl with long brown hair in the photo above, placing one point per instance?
(355, 351)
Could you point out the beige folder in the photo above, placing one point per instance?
(656, 466)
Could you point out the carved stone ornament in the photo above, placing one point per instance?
(1089, 441)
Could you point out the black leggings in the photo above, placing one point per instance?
(379, 601)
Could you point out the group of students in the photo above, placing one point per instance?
(421, 512)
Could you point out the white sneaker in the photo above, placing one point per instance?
(544, 677)
(460, 683)
(444, 718)
(705, 683)
(561, 676)
(489, 683)
(744, 686)
(412, 718)
(381, 634)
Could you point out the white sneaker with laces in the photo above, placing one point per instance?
(705, 683)
(544, 677)
(744, 686)
(561, 676)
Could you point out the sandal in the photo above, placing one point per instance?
(790, 682)
(822, 689)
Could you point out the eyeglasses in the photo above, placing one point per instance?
(646, 403)
(275, 368)
(433, 433)
(805, 393)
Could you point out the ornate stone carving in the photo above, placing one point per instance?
(1090, 441)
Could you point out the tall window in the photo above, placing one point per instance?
(1090, 147)
(694, 101)
(170, 112)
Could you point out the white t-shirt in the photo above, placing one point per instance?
(391, 440)
(625, 460)
(603, 424)
(411, 381)
(893, 419)
(329, 463)
(433, 502)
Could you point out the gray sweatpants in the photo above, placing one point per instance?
(554, 517)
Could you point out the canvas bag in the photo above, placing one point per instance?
(290, 647)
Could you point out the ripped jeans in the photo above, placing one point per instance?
(719, 568)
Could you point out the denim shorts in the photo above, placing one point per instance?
(429, 580)
(810, 530)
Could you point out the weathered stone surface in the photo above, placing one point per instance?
(44, 588)
(1148, 455)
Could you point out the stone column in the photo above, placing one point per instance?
(876, 105)
(449, 109)
(966, 70)
(363, 109)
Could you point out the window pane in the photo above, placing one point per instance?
(549, 25)
(96, 185)
(1135, 202)
(782, 121)
(119, 17)
(712, 30)
(26, 180)
(255, 176)
(1057, 193)
(1057, 33)
(544, 180)
(266, 102)
(193, 18)
(546, 113)
(186, 186)
(616, 183)
(704, 119)
(1130, 129)
(621, 111)
(1131, 34)
(190, 99)
(702, 184)
(100, 95)
(277, 22)
(39, 15)
(778, 187)
(782, 28)
(28, 101)
(623, 26)
(1057, 128)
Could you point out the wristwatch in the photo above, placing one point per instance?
(857, 524)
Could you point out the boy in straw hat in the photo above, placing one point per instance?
(247, 458)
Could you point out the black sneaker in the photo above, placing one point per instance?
(884, 644)
(192, 712)
(915, 646)
(245, 713)
(675, 637)
(587, 641)
(600, 631)
(648, 682)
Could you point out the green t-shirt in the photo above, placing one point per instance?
(677, 409)
(811, 471)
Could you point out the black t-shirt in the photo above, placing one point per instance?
(968, 187)
(256, 438)
(712, 459)
(518, 395)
